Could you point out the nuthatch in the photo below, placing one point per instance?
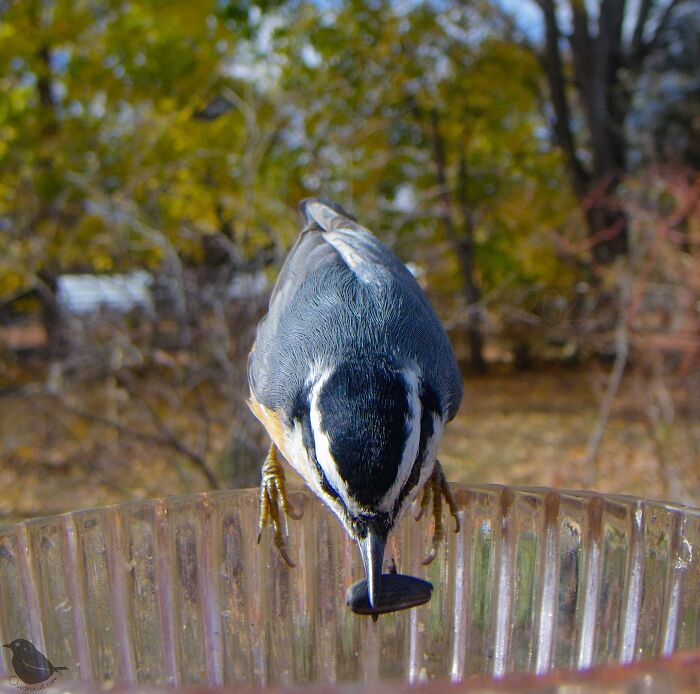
(354, 378)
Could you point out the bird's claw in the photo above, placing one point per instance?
(425, 501)
(436, 488)
(273, 497)
(432, 553)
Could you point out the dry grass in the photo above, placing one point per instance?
(525, 429)
(533, 429)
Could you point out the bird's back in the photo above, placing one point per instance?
(343, 294)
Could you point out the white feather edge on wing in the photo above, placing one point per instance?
(321, 213)
(357, 249)
(357, 246)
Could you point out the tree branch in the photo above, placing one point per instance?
(649, 46)
(554, 69)
(168, 440)
(440, 162)
(169, 436)
(611, 390)
(639, 29)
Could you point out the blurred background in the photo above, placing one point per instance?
(535, 162)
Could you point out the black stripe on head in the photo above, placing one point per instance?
(363, 408)
(430, 404)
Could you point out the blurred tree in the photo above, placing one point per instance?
(608, 45)
(665, 118)
(103, 166)
(138, 137)
(427, 120)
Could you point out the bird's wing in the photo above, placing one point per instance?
(340, 290)
(36, 665)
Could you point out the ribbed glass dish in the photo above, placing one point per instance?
(177, 591)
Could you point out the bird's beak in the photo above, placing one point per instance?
(6, 645)
(372, 550)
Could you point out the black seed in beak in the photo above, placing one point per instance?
(398, 592)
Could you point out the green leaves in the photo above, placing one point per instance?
(106, 159)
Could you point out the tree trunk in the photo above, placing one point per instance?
(51, 315)
(597, 63)
(462, 243)
(52, 318)
(465, 254)
(607, 224)
(464, 249)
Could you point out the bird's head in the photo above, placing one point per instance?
(19, 646)
(367, 429)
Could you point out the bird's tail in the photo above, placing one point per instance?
(55, 668)
(323, 213)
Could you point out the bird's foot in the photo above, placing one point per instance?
(273, 498)
(436, 488)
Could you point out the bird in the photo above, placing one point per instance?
(29, 663)
(354, 379)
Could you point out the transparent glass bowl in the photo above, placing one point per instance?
(177, 591)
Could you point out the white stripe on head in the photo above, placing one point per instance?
(327, 463)
(301, 462)
(295, 453)
(323, 446)
(428, 464)
(410, 449)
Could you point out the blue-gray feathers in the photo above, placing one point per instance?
(342, 296)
